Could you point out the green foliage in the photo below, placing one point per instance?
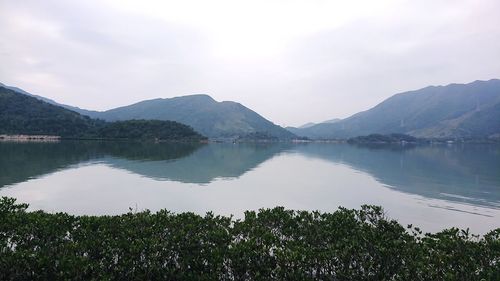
(384, 139)
(272, 244)
(148, 129)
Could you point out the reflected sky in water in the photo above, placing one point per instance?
(430, 186)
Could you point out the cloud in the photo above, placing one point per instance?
(292, 61)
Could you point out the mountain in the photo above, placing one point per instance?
(27, 115)
(334, 120)
(201, 112)
(22, 114)
(307, 125)
(296, 130)
(72, 108)
(207, 116)
(456, 110)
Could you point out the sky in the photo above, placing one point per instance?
(292, 61)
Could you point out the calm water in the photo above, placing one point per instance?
(430, 186)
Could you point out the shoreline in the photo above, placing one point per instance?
(30, 138)
(444, 141)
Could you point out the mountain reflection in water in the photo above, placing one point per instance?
(467, 174)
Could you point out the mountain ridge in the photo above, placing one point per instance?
(22, 114)
(50, 101)
(225, 119)
(454, 110)
(200, 111)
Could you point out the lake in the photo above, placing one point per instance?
(433, 186)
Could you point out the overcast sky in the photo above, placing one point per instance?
(291, 61)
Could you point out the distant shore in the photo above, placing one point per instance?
(30, 138)
(362, 140)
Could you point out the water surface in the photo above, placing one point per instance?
(434, 187)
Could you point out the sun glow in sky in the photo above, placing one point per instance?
(245, 30)
(293, 61)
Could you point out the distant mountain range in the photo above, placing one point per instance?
(214, 119)
(456, 110)
(310, 124)
(207, 116)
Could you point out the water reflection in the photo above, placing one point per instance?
(183, 162)
(206, 164)
(467, 174)
(22, 161)
(463, 174)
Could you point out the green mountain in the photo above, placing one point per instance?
(23, 114)
(207, 116)
(456, 110)
(201, 112)
(72, 108)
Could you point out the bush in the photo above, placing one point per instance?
(271, 244)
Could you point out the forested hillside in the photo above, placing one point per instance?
(21, 114)
(456, 110)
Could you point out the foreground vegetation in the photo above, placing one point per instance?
(272, 244)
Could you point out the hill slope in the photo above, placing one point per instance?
(297, 130)
(204, 114)
(23, 114)
(456, 110)
(72, 108)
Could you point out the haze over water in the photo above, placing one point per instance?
(434, 187)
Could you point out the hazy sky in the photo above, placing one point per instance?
(291, 61)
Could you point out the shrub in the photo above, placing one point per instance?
(271, 244)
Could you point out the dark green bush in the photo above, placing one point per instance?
(272, 244)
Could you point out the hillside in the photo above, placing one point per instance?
(296, 130)
(201, 112)
(204, 114)
(455, 110)
(23, 114)
(72, 108)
